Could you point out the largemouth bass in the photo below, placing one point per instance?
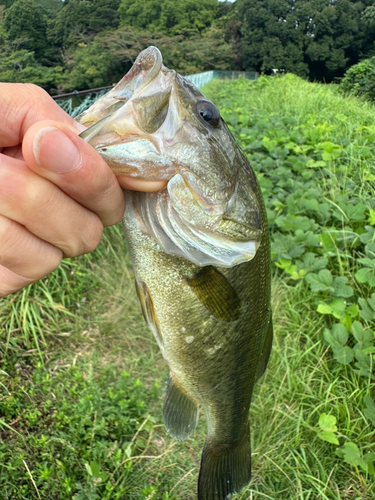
(201, 256)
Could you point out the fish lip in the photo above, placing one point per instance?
(127, 139)
(137, 157)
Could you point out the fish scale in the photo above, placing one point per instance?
(201, 256)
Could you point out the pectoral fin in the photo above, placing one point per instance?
(216, 293)
(180, 412)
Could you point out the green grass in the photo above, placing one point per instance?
(82, 379)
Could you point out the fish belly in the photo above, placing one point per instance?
(214, 357)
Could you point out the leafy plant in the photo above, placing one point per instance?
(360, 79)
(327, 424)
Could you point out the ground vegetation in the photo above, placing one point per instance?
(82, 379)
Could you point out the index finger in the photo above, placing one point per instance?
(22, 105)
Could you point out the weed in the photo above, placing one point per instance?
(81, 378)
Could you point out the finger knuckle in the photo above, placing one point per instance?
(9, 234)
(94, 235)
(11, 282)
(89, 238)
(35, 92)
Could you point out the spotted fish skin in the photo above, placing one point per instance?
(215, 352)
(201, 256)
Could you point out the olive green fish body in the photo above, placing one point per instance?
(216, 347)
(201, 256)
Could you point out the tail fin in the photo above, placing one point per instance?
(224, 469)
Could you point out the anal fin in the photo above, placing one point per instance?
(225, 468)
(180, 412)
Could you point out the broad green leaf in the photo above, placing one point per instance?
(327, 242)
(366, 312)
(341, 288)
(311, 262)
(307, 238)
(286, 246)
(292, 223)
(371, 217)
(340, 333)
(369, 350)
(343, 355)
(346, 320)
(330, 339)
(369, 235)
(88, 468)
(356, 212)
(363, 364)
(370, 466)
(320, 282)
(352, 310)
(366, 275)
(283, 263)
(316, 164)
(370, 250)
(269, 144)
(335, 308)
(329, 437)
(337, 338)
(324, 308)
(95, 469)
(327, 156)
(371, 301)
(368, 262)
(338, 308)
(351, 454)
(327, 422)
(360, 334)
(328, 146)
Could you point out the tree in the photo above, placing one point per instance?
(267, 34)
(25, 22)
(20, 66)
(7, 3)
(315, 38)
(171, 17)
(80, 20)
(336, 37)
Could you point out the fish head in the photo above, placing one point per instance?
(156, 125)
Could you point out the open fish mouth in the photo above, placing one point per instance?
(155, 125)
(123, 123)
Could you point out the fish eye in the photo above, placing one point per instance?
(208, 112)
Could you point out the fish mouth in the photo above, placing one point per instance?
(147, 127)
(134, 124)
(145, 68)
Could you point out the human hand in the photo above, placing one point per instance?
(56, 192)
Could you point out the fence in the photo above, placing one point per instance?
(201, 79)
(76, 102)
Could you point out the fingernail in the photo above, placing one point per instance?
(54, 151)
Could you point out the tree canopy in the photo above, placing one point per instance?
(75, 44)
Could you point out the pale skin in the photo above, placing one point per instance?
(56, 192)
